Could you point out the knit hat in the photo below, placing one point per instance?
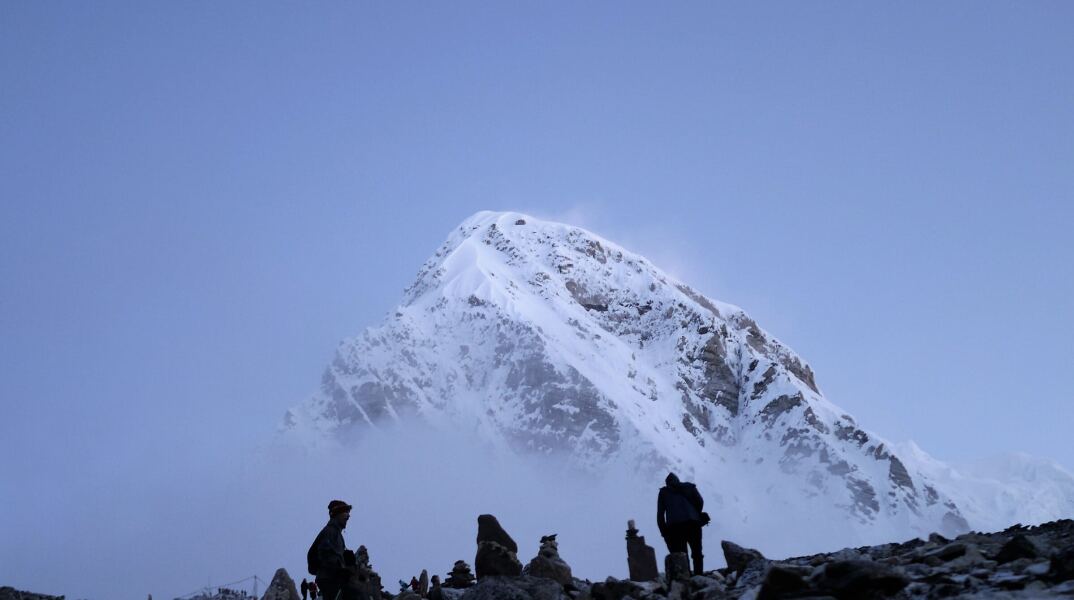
(338, 506)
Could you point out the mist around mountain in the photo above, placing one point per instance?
(544, 340)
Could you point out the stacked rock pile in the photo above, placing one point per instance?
(460, 576)
(548, 564)
(364, 580)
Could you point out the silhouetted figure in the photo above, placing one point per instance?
(304, 588)
(325, 556)
(679, 518)
(313, 590)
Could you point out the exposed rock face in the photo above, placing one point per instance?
(548, 563)
(282, 587)
(496, 550)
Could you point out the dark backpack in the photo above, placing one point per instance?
(313, 564)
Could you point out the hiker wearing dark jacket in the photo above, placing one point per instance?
(679, 518)
(329, 547)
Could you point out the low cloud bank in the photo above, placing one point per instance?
(417, 493)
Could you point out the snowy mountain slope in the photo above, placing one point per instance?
(541, 338)
(997, 492)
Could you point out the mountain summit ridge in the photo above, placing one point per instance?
(541, 337)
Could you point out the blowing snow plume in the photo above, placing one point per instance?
(543, 339)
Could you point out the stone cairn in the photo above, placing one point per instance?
(497, 553)
(548, 564)
(364, 580)
(641, 558)
(460, 576)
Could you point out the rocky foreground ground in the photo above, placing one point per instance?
(1019, 562)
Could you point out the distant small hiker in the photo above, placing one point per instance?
(325, 556)
(679, 518)
(313, 590)
(305, 588)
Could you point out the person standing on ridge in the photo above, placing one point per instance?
(304, 588)
(679, 518)
(325, 556)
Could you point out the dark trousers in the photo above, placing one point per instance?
(681, 535)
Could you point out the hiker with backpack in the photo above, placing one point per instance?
(325, 559)
(679, 518)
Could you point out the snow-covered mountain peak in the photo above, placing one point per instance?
(509, 256)
(542, 337)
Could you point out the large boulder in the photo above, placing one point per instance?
(854, 579)
(282, 587)
(515, 588)
(496, 551)
(1063, 565)
(677, 566)
(1017, 547)
(615, 589)
(739, 558)
(783, 581)
(490, 530)
(495, 560)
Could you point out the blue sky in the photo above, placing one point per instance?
(199, 200)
